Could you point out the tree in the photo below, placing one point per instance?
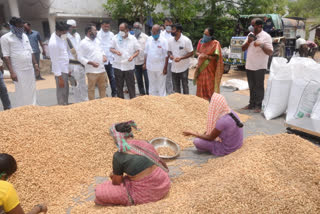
(262, 6)
(304, 8)
(131, 10)
(182, 10)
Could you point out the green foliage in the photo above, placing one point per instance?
(262, 6)
(304, 8)
(196, 15)
(182, 10)
(131, 10)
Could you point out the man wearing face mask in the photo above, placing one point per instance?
(21, 62)
(139, 60)
(59, 56)
(76, 69)
(259, 46)
(35, 40)
(92, 56)
(179, 51)
(167, 35)
(251, 28)
(105, 38)
(125, 48)
(156, 62)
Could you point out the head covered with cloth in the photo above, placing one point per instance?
(224, 133)
(120, 132)
(139, 176)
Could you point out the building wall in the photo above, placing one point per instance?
(86, 8)
(6, 11)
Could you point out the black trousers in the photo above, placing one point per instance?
(127, 76)
(256, 86)
(112, 79)
(140, 75)
(178, 79)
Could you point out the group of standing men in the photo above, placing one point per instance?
(159, 63)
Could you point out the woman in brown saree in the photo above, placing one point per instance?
(210, 65)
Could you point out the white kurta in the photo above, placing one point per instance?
(156, 52)
(20, 53)
(80, 92)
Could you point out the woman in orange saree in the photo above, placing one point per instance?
(209, 70)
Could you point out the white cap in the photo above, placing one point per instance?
(72, 22)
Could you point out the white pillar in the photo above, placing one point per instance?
(52, 23)
(14, 9)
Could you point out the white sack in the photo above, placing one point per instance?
(278, 89)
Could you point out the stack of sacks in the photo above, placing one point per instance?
(276, 98)
(305, 89)
(294, 88)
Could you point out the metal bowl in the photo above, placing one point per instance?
(166, 142)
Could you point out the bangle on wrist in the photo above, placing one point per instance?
(262, 46)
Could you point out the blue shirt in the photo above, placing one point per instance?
(34, 38)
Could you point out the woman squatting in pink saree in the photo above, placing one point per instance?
(139, 175)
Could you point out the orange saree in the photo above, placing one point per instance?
(209, 72)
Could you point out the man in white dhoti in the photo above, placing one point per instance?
(21, 62)
(156, 62)
(77, 70)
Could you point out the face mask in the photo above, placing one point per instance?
(18, 31)
(137, 32)
(206, 39)
(168, 28)
(92, 36)
(156, 37)
(173, 34)
(73, 31)
(122, 33)
(251, 28)
(131, 32)
(64, 36)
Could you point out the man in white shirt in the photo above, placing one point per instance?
(125, 48)
(259, 47)
(105, 39)
(301, 46)
(59, 55)
(180, 50)
(21, 62)
(92, 56)
(76, 69)
(139, 60)
(167, 35)
(156, 61)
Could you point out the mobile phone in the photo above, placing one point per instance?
(253, 36)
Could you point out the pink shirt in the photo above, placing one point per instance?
(256, 58)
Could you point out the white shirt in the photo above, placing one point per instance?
(256, 58)
(167, 36)
(300, 42)
(19, 50)
(75, 40)
(139, 60)
(105, 39)
(59, 55)
(156, 52)
(179, 49)
(127, 48)
(90, 50)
